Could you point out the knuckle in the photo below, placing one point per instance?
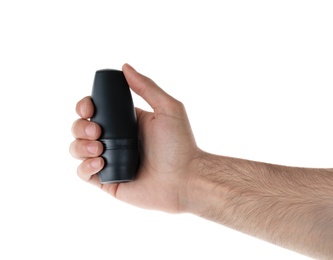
(179, 105)
(175, 107)
(74, 128)
(72, 148)
(77, 107)
(80, 149)
(80, 107)
(80, 170)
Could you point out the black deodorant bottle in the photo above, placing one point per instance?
(115, 113)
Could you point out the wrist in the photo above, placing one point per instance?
(200, 192)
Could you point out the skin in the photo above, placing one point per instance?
(288, 206)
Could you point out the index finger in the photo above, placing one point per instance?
(85, 108)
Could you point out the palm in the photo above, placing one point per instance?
(167, 144)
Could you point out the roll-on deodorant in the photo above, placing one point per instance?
(115, 113)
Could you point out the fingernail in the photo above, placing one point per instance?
(92, 148)
(90, 130)
(96, 163)
(129, 66)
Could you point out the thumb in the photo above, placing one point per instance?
(146, 88)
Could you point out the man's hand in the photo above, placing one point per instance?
(288, 206)
(168, 149)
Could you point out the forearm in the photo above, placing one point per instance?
(290, 207)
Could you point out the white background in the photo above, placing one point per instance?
(255, 77)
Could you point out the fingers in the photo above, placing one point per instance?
(85, 147)
(89, 167)
(84, 129)
(85, 108)
(88, 170)
(82, 149)
(85, 132)
(156, 97)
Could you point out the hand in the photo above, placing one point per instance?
(168, 149)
